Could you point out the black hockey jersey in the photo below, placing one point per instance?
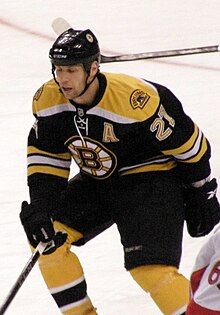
(133, 126)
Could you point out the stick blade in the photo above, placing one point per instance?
(60, 25)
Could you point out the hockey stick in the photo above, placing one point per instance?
(160, 54)
(25, 272)
(60, 25)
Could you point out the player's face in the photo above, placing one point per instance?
(71, 80)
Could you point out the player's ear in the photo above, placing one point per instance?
(94, 68)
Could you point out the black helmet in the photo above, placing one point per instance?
(74, 47)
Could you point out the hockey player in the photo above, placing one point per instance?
(205, 279)
(144, 165)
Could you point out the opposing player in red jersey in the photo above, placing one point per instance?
(205, 279)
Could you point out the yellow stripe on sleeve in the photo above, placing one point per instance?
(186, 146)
(151, 168)
(200, 154)
(48, 170)
(34, 150)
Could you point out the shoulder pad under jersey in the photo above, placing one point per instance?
(49, 100)
(136, 98)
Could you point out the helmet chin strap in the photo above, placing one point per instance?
(87, 85)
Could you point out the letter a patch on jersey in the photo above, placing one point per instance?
(108, 133)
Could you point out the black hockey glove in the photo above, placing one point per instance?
(202, 210)
(38, 226)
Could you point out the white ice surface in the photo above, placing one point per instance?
(122, 27)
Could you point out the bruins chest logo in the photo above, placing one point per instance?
(92, 157)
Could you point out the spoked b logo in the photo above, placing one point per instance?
(92, 157)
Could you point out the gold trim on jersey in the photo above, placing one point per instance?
(186, 146)
(151, 168)
(63, 156)
(48, 170)
(40, 161)
(201, 152)
(45, 160)
(157, 163)
(192, 150)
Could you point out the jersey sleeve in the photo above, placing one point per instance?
(175, 134)
(48, 160)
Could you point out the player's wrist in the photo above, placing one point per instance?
(201, 183)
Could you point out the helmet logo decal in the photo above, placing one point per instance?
(89, 37)
(92, 157)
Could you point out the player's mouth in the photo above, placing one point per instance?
(66, 89)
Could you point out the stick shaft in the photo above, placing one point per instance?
(25, 272)
(160, 54)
